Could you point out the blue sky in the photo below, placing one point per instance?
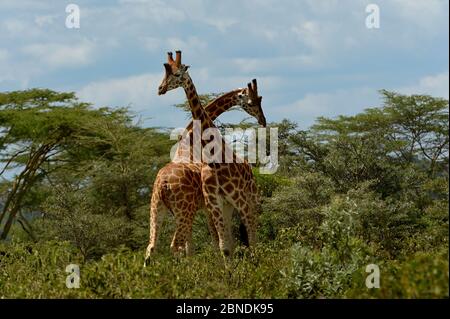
(311, 58)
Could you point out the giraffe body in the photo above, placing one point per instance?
(184, 188)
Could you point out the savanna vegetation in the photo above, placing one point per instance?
(350, 191)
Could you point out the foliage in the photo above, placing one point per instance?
(350, 191)
(68, 217)
(422, 275)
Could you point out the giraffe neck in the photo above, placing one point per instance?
(197, 110)
(185, 152)
(222, 104)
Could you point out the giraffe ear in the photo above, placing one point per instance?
(186, 67)
(168, 68)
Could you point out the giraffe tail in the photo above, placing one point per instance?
(243, 234)
(157, 210)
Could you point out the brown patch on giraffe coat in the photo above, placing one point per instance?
(228, 187)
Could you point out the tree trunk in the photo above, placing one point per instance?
(21, 185)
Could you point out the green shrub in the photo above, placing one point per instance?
(68, 217)
(296, 205)
(120, 274)
(422, 275)
(320, 273)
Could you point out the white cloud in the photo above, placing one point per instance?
(153, 11)
(425, 14)
(139, 92)
(222, 24)
(23, 4)
(14, 28)
(3, 54)
(435, 85)
(329, 104)
(43, 20)
(353, 101)
(324, 6)
(17, 74)
(192, 44)
(206, 82)
(62, 55)
(15, 25)
(3, 62)
(151, 44)
(310, 32)
(274, 64)
(136, 89)
(301, 52)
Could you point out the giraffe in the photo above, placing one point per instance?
(177, 187)
(224, 185)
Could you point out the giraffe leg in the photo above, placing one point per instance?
(182, 238)
(214, 205)
(176, 244)
(157, 211)
(222, 222)
(212, 229)
(247, 215)
(227, 213)
(248, 218)
(188, 239)
(189, 247)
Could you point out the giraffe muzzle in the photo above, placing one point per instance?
(262, 121)
(162, 90)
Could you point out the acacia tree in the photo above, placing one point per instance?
(38, 128)
(414, 128)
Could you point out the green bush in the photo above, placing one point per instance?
(296, 205)
(320, 273)
(68, 217)
(350, 191)
(120, 274)
(422, 275)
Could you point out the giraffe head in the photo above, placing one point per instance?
(176, 73)
(251, 102)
